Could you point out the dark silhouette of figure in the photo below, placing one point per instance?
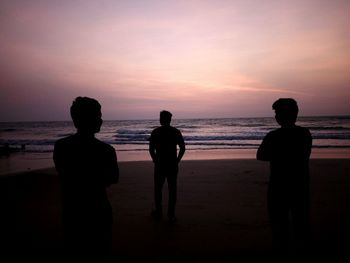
(288, 150)
(86, 167)
(163, 150)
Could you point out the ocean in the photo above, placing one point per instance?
(230, 138)
(199, 134)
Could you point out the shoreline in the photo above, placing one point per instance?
(26, 162)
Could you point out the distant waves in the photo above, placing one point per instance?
(199, 134)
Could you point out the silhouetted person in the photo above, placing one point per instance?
(86, 167)
(163, 150)
(288, 150)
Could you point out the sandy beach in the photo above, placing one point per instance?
(221, 212)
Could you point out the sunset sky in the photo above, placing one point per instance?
(196, 58)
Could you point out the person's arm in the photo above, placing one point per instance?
(264, 150)
(308, 144)
(57, 157)
(113, 169)
(182, 147)
(152, 149)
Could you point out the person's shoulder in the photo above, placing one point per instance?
(272, 135)
(274, 132)
(66, 140)
(303, 130)
(104, 145)
(175, 130)
(104, 148)
(156, 131)
(65, 145)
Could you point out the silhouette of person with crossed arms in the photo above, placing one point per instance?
(163, 150)
(288, 150)
(86, 167)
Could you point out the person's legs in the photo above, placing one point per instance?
(278, 211)
(159, 180)
(172, 186)
(300, 218)
(100, 242)
(75, 241)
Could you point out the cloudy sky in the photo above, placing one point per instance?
(196, 58)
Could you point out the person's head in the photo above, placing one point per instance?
(165, 118)
(86, 115)
(286, 111)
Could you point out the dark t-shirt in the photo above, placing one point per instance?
(86, 166)
(165, 140)
(288, 150)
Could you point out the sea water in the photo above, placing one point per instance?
(199, 134)
(205, 138)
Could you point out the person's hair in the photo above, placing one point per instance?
(287, 108)
(165, 117)
(83, 109)
(286, 104)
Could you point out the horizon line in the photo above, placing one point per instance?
(190, 118)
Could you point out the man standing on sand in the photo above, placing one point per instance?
(288, 150)
(86, 167)
(163, 150)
